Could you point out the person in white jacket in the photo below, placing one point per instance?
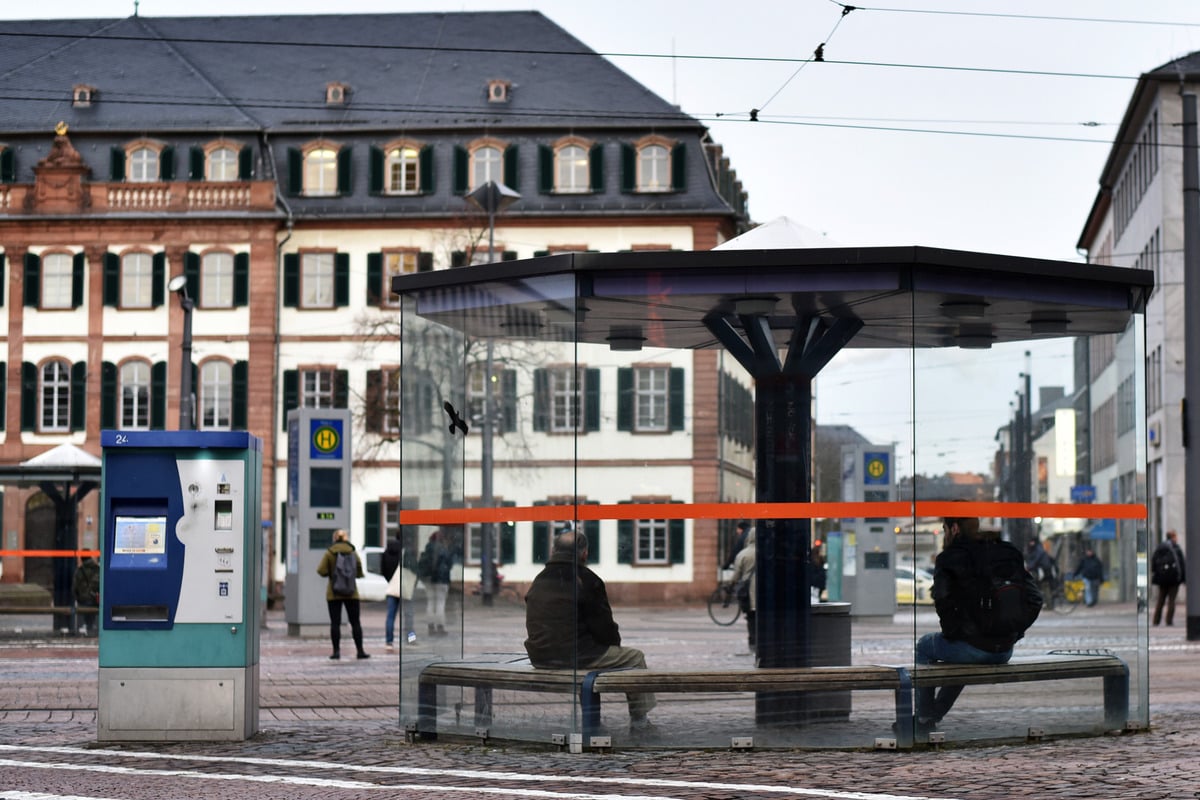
(743, 570)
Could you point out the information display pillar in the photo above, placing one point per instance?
(318, 503)
(179, 588)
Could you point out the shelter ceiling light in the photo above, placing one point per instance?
(1048, 322)
(754, 306)
(625, 339)
(964, 309)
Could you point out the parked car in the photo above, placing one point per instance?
(913, 585)
(372, 587)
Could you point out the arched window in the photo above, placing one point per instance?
(216, 280)
(223, 164)
(571, 170)
(403, 171)
(487, 164)
(320, 172)
(135, 396)
(137, 280)
(216, 396)
(55, 397)
(143, 165)
(654, 168)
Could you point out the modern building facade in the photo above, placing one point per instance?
(287, 167)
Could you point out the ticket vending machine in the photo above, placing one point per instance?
(318, 503)
(179, 593)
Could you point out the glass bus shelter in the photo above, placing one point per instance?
(840, 400)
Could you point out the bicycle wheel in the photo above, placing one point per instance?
(723, 607)
(1061, 604)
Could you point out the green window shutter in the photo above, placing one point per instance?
(158, 396)
(512, 177)
(7, 168)
(78, 269)
(676, 540)
(425, 165)
(341, 279)
(508, 255)
(679, 167)
(628, 168)
(371, 535)
(374, 170)
(374, 278)
(596, 168)
(374, 411)
(33, 279)
(541, 400)
(241, 395)
(591, 399)
(191, 273)
(507, 534)
(541, 539)
(108, 396)
(458, 258)
(166, 164)
(29, 393)
(508, 392)
(462, 169)
(195, 163)
(545, 169)
(112, 279)
(591, 529)
(341, 388)
(424, 263)
(675, 398)
(291, 392)
(158, 280)
(625, 529)
(625, 399)
(3, 276)
(79, 396)
(241, 279)
(291, 280)
(283, 537)
(540, 253)
(116, 164)
(343, 171)
(245, 164)
(295, 160)
(3, 395)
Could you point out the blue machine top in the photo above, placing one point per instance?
(234, 440)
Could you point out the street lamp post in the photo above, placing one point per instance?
(178, 285)
(492, 198)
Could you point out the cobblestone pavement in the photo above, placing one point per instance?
(331, 729)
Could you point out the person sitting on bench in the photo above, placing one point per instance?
(570, 623)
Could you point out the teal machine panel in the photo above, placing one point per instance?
(868, 562)
(180, 601)
(318, 503)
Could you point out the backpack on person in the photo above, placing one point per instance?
(1164, 568)
(345, 574)
(425, 564)
(1006, 601)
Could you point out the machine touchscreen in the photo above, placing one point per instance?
(139, 543)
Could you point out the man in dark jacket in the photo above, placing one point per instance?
(570, 623)
(1167, 570)
(961, 577)
(1090, 570)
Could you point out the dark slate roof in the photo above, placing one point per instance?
(407, 72)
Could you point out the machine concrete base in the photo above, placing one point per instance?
(141, 704)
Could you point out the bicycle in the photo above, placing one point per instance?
(1066, 596)
(723, 606)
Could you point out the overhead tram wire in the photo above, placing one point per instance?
(818, 55)
(1033, 17)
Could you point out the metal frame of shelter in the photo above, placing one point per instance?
(783, 315)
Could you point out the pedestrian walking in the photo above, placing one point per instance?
(1090, 570)
(745, 585)
(433, 569)
(1167, 571)
(337, 596)
(396, 564)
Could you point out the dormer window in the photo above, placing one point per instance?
(337, 94)
(499, 91)
(82, 95)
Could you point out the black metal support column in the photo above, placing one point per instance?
(783, 471)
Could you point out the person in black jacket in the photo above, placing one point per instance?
(570, 623)
(1167, 570)
(961, 577)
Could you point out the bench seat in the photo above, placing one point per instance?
(589, 686)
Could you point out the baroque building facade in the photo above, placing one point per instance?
(287, 167)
